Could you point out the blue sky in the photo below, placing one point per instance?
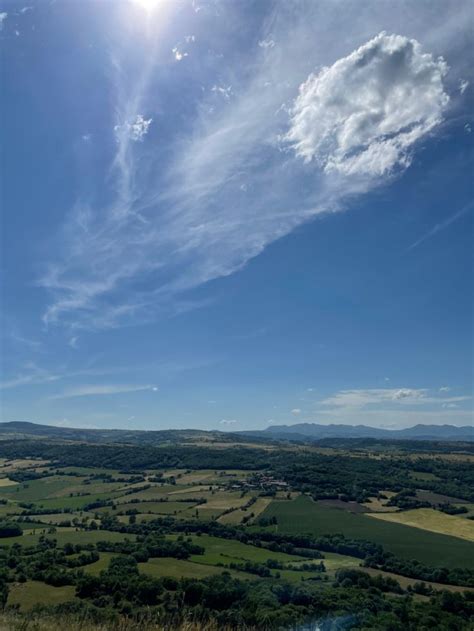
(226, 215)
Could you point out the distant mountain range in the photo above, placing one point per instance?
(24, 429)
(418, 432)
(301, 432)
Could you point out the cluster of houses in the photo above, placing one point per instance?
(259, 482)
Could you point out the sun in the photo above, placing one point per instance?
(148, 5)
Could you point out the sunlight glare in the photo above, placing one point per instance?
(148, 5)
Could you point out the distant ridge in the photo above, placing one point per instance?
(298, 432)
(418, 432)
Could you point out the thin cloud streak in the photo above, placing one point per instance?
(101, 390)
(442, 226)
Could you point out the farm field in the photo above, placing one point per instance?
(306, 516)
(433, 521)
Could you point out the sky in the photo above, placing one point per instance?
(228, 215)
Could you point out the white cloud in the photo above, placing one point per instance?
(3, 17)
(444, 389)
(363, 114)
(136, 130)
(100, 390)
(178, 54)
(223, 90)
(266, 43)
(225, 421)
(296, 411)
(189, 39)
(73, 341)
(396, 396)
(463, 85)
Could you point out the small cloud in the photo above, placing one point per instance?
(178, 54)
(387, 379)
(444, 389)
(467, 128)
(189, 39)
(26, 9)
(224, 91)
(463, 85)
(86, 137)
(135, 130)
(266, 43)
(225, 421)
(17, 33)
(155, 389)
(296, 411)
(131, 418)
(450, 406)
(309, 389)
(212, 402)
(73, 342)
(406, 393)
(3, 17)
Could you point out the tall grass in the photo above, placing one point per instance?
(33, 622)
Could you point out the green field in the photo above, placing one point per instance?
(161, 508)
(27, 595)
(35, 490)
(227, 551)
(67, 535)
(302, 515)
(177, 568)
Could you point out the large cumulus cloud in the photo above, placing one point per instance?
(363, 114)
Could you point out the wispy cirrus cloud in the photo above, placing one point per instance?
(247, 173)
(102, 390)
(30, 374)
(442, 225)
